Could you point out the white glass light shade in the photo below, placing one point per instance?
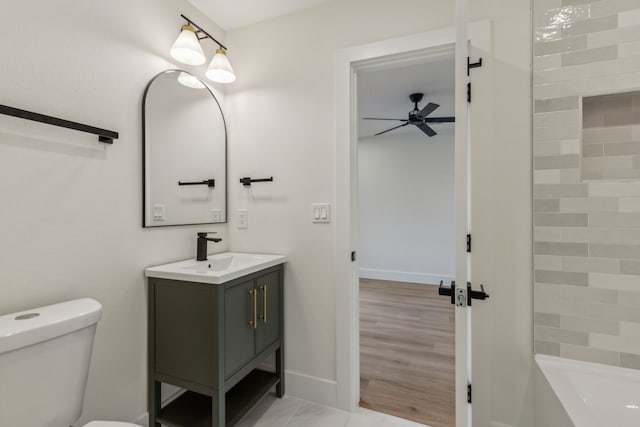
(187, 49)
(220, 69)
(186, 79)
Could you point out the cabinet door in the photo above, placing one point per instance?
(239, 334)
(269, 295)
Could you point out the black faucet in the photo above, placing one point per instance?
(202, 245)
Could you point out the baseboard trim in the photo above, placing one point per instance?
(312, 389)
(497, 424)
(404, 276)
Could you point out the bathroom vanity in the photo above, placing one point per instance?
(212, 324)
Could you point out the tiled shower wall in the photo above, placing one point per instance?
(587, 180)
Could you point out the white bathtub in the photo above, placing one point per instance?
(594, 395)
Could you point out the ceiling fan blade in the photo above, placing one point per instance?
(426, 129)
(397, 120)
(439, 119)
(389, 130)
(430, 108)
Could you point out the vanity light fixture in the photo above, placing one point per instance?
(187, 50)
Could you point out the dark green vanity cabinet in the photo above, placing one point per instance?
(210, 340)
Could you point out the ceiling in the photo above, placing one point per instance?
(239, 13)
(385, 93)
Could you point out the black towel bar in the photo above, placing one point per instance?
(105, 136)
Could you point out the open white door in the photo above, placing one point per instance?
(471, 132)
(459, 294)
(476, 39)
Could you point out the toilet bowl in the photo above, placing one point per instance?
(45, 354)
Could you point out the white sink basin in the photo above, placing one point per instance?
(217, 268)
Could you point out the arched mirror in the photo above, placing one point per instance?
(185, 153)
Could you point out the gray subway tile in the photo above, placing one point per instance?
(547, 319)
(590, 26)
(563, 249)
(636, 162)
(629, 299)
(629, 267)
(629, 360)
(621, 148)
(552, 191)
(607, 53)
(590, 295)
(614, 219)
(561, 219)
(617, 312)
(562, 277)
(582, 324)
(545, 333)
(614, 251)
(549, 348)
(593, 150)
(627, 173)
(623, 118)
(590, 265)
(556, 104)
(605, 135)
(565, 161)
(590, 354)
(547, 205)
(567, 44)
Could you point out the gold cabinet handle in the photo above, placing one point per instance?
(263, 316)
(254, 322)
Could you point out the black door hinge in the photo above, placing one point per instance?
(468, 393)
(469, 243)
(471, 65)
(353, 256)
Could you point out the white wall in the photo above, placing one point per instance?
(285, 71)
(406, 207)
(71, 208)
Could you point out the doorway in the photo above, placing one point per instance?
(406, 236)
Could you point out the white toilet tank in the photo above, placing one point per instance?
(44, 362)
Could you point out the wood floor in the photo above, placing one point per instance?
(407, 364)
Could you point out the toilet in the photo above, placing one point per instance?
(44, 363)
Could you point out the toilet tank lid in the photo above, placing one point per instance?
(36, 325)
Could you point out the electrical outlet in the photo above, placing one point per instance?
(243, 218)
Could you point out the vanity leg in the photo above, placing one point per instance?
(218, 409)
(280, 372)
(154, 403)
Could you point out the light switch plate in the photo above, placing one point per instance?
(158, 212)
(215, 215)
(243, 218)
(320, 213)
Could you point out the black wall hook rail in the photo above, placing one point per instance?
(246, 181)
(208, 182)
(105, 136)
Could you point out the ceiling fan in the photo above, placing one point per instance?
(418, 117)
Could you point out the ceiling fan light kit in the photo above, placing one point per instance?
(418, 117)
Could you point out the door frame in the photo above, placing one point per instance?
(348, 62)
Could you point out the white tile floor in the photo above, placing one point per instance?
(292, 412)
